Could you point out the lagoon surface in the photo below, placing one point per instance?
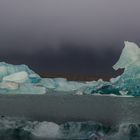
(69, 117)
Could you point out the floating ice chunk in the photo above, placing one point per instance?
(19, 77)
(14, 128)
(79, 93)
(64, 85)
(129, 55)
(69, 86)
(7, 69)
(60, 84)
(69, 130)
(28, 89)
(123, 92)
(93, 86)
(81, 130)
(46, 130)
(12, 78)
(9, 85)
(48, 83)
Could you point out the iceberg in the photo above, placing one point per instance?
(21, 79)
(9, 69)
(128, 83)
(129, 61)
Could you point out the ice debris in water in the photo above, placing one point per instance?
(23, 129)
(20, 79)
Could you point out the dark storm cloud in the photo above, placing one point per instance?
(72, 35)
(69, 60)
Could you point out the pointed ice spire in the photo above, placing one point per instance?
(130, 54)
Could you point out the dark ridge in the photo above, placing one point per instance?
(76, 77)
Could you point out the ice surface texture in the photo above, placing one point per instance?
(19, 79)
(129, 81)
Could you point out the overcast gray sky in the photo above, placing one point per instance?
(74, 36)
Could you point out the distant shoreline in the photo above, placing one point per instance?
(75, 77)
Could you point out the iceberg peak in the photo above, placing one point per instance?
(130, 53)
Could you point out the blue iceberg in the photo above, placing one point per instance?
(20, 79)
(129, 60)
(128, 83)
